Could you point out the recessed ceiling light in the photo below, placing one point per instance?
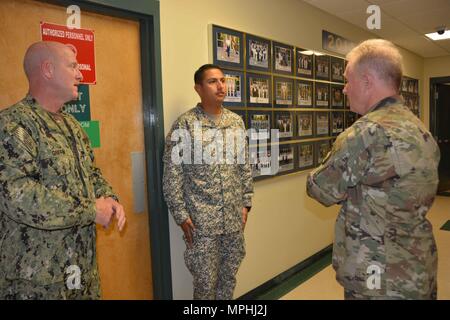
(437, 36)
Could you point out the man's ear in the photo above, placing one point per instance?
(47, 69)
(197, 88)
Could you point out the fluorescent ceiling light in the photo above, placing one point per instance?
(307, 52)
(437, 36)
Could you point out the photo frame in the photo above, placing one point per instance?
(306, 155)
(337, 69)
(337, 122)
(304, 63)
(322, 124)
(283, 58)
(322, 149)
(261, 122)
(322, 95)
(286, 158)
(322, 67)
(350, 118)
(227, 47)
(235, 83)
(304, 93)
(305, 124)
(337, 97)
(284, 92)
(259, 90)
(261, 160)
(259, 53)
(284, 122)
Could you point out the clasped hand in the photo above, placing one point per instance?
(106, 209)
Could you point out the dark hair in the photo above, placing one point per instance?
(198, 76)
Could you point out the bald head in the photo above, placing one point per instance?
(42, 51)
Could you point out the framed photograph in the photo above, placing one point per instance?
(322, 149)
(242, 114)
(404, 86)
(337, 122)
(235, 85)
(286, 158)
(322, 124)
(322, 67)
(337, 69)
(260, 124)
(305, 122)
(258, 53)
(337, 97)
(227, 47)
(259, 90)
(284, 122)
(304, 63)
(283, 56)
(284, 92)
(306, 155)
(350, 118)
(304, 91)
(322, 96)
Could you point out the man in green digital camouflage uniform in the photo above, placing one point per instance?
(51, 194)
(383, 171)
(209, 199)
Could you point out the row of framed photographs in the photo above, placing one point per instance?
(296, 125)
(291, 158)
(287, 92)
(262, 54)
(410, 91)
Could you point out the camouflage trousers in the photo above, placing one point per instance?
(213, 262)
(27, 290)
(353, 295)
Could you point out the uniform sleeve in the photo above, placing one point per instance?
(343, 168)
(246, 175)
(24, 199)
(173, 179)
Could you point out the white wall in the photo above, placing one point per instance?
(285, 227)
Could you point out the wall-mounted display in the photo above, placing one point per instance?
(304, 63)
(306, 155)
(259, 90)
(305, 120)
(350, 118)
(261, 122)
(286, 158)
(409, 89)
(258, 53)
(322, 67)
(322, 124)
(322, 96)
(284, 122)
(337, 97)
(261, 161)
(227, 48)
(235, 83)
(283, 58)
(284, 92)
(337, 122)
(304, 93)
(322, 148)
(337, 69)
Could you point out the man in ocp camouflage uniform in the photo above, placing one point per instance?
(383, 171)
(51, 194)
(207, 197)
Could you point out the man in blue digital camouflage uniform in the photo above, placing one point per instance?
(383, 171)
(209, 199)
(51, 194)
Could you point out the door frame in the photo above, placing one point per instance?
(433, 82)
(147, 14)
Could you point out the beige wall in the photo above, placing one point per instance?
(433, 67)
(285, 226)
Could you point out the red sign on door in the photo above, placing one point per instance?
(82, 39)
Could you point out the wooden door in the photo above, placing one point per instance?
(116, 101)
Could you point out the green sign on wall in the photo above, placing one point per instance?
(80, 108)
(92, 129)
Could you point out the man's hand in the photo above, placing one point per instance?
(188, 228)
(244, 217)
(104, 212)
(119, 212)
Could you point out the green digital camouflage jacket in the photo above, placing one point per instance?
(48, 187)
(211, 194)
(383, 170)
